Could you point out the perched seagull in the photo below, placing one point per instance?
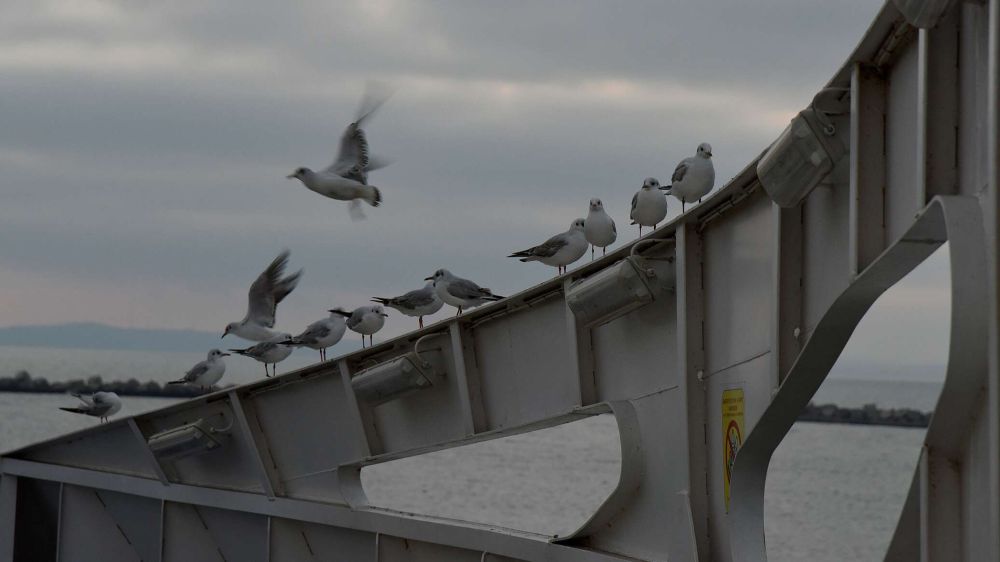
(272, 352)
(649, 206)
(419, 303)
(266, 292)
(599, 228)
(347, 178)
(321, 334)
(205, 373)
(560, 250)
(694, 177)
(99, 404)
(458, 292)
(365, 320)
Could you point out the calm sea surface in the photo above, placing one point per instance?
(833, 491)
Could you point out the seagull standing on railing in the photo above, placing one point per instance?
(205, 373)
(365, 320)
(269, 352)
(694, 177)
(419, 303)
(321, 334)
(458, 292)
(347, 178)
(649, 206)
(266, 292)
(599, 228)
(560, 250)
(99, 404)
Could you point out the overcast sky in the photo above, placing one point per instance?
(144, 144)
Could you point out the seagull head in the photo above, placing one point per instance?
(651, 183)
(215, 354)
(439, 275)
(229, 328)
(705, 150)
(596, 205)
(377, 309)
(577, 225)
(299, 174)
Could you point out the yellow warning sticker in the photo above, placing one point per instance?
(732, 432)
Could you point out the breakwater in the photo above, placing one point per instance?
(870, 414)
(24, 382)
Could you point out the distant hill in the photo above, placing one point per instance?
(88, 335)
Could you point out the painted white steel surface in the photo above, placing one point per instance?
(760, 299)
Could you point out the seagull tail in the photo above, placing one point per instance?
(354, 209)
(179, 381)
(381, 300)
(521, 254)
(240, 351)
(343, 313)
(74, 410)
(666, 188)
(291, 341)
(375, 197)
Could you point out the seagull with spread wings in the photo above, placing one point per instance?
(347, 178)
(694, 176)
(560, 250)
(267, 291)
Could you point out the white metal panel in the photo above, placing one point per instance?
(195, 534)
(901, 143)
(637, 353)
(826, 269)
(738, 275)
(319, 404)
(115, 449)
(395, 549)
(138, 519)
(295, 541)
(524, 373)
(88, 532)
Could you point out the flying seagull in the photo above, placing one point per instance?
(266, 292)
(347, 178)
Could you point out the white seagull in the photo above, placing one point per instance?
(99, 404)
(649, 206)
(694, 177)
(268, 352)
(599, 228)
(560, 250)
(365, 320)
(419, 303)
(266, 292)
(321, 334)
(347, 178)
(458, 292)
(205, 373)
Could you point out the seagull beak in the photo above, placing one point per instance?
(428, 278)
(384, 315)
(290, 176)
(225, 354)
(224, 334)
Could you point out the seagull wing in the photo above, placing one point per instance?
(198, 370)
(545, 249)
(465, 289)
(314, 332)
(352, 157)
(635, 200)
(269, 289)
(415, 299)
(680, 171)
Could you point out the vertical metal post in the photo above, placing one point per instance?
(992, 209)
(147, 453)
(8, 516)
(920, 162)
(867, 168)
(365, 429)
(253, 438)
(581, 352)
(467, 378)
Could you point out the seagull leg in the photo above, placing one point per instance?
(591, 252)
(421, 320)
(682, 206)
(604, 251)
(640, 231)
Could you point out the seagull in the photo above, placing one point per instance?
(649, 206)
(419, 303)
(266, 292)
(347, 178)
(99, 404)
(458, 292)
(272, 352)
(365, 320)
(599, 228)
(205, 373)
(560, 250)
(694, 177)
(321, 334)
